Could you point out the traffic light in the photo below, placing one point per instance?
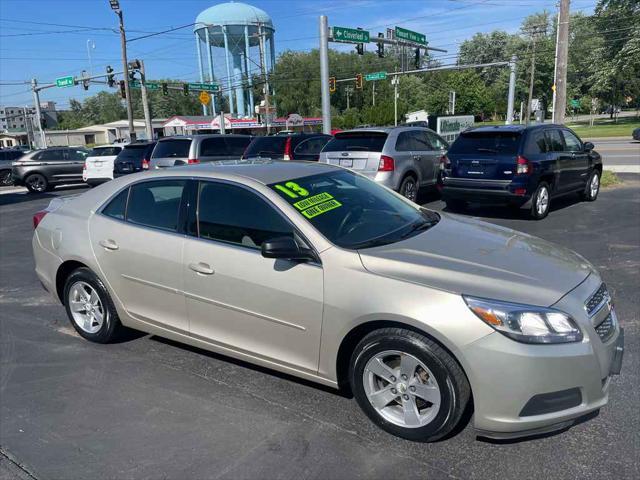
(332, 84)
(360, 48)
(132, 76)
(416, 61)
(185, 89)
(85, 81)
(380, 46)
(359, 81)
(110, 80)
(123, 90)
(165, 89)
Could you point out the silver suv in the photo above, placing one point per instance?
(182, 150)
(401, 158)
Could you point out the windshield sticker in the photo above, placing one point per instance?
(311, 201)
(321, 208)
(293, 190)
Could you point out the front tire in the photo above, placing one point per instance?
(540, 202)
(592, 188)
(90, 308)
(36, 183)
(408, 385)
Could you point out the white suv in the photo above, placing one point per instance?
(98, 167)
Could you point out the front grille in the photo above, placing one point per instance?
(595, 301)
(607, 327)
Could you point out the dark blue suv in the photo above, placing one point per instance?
(519, 166)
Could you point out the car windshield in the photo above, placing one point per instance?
(486, 143)
(172, 148)
(352, 211)
(266, 147)
(356, 141)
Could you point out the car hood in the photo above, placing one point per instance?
(476, 258)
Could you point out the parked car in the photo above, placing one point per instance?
(133, 158)
(289, 146)
(182, 150)
(519, 166)
(41, 170)
(401, 158)
(7, 157)
(323, 274)
(636, 134)
(98, 166)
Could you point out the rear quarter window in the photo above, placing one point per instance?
(366, 141)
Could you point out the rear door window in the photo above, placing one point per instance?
(420, 141)
(52, 155)
(554, 140)
(537, 143)
(481, 143)
(156, 204)
(357, 141)
(178, 148)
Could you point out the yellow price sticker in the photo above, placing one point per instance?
(321, 208)
(311, 201)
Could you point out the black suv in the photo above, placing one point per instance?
(133, 158)
(40, 170)
(519, 166)
(294, 146)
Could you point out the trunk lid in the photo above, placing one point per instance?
(485, 155)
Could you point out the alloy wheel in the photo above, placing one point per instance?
(86, 307)
(37, 183)
(542, 201)
(5, 178)
(594, 186)
(410, 190)
(401, 389)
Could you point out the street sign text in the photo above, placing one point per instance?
(207, 87)
(410, 36)
(65, 82)
(350, 35)
(370, 77)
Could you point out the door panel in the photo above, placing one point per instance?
(562, 159)
(578, 160)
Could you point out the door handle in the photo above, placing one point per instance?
(201, 268)
(108, 244)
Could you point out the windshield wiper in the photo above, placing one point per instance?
(416, 227)
(490, 150)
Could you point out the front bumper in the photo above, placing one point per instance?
(521, 389)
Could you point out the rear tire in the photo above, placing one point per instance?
(540, 202)
(592, 188)
(408, 385)
(36, 183)
(90, 308)
(409, 188)
(5, 178)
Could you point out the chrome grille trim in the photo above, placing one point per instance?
(597, 300)
(607, 327)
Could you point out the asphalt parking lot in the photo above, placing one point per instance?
(150, 408)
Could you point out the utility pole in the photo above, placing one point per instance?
(115, 6)
(263, 65)
(373, 93)
(395, 80)
(348, 91)
(145, 102)
(512, 90)
(534, 33)
(36, 101)
(324, 74)
(452, 102)
(560, 76)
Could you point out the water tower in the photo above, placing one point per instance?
(244, 35)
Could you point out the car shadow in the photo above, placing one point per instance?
(257, 368)
(506, 212)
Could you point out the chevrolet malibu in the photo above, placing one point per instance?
(321, 273)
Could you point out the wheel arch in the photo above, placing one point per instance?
(64, 270)
(353, 337)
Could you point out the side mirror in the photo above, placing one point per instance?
(285, 248)
(588, 146)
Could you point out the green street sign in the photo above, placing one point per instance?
(152, 85)
(410, 36)
(350, 35)
(370, 77)
(134, 84)
(575, 103)
(206, 87)
(65, 82)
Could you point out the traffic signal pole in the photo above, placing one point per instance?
(145, 103)
(324, 74)
(36, 101)
(125, 68)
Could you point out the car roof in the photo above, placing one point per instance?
(511, 128)
(264, 171)
(201, 135)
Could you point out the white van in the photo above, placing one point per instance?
(98, 167)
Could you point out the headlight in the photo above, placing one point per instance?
(526, 323)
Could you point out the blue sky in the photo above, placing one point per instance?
(46, 39)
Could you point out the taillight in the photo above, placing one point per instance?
(287, 149)
(445, 163)
(523, 166)
(84, 167)
(193, 160)
(145, 164)
(37, 218)
(387, 164)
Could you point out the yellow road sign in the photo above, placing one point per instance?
(204, 97)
